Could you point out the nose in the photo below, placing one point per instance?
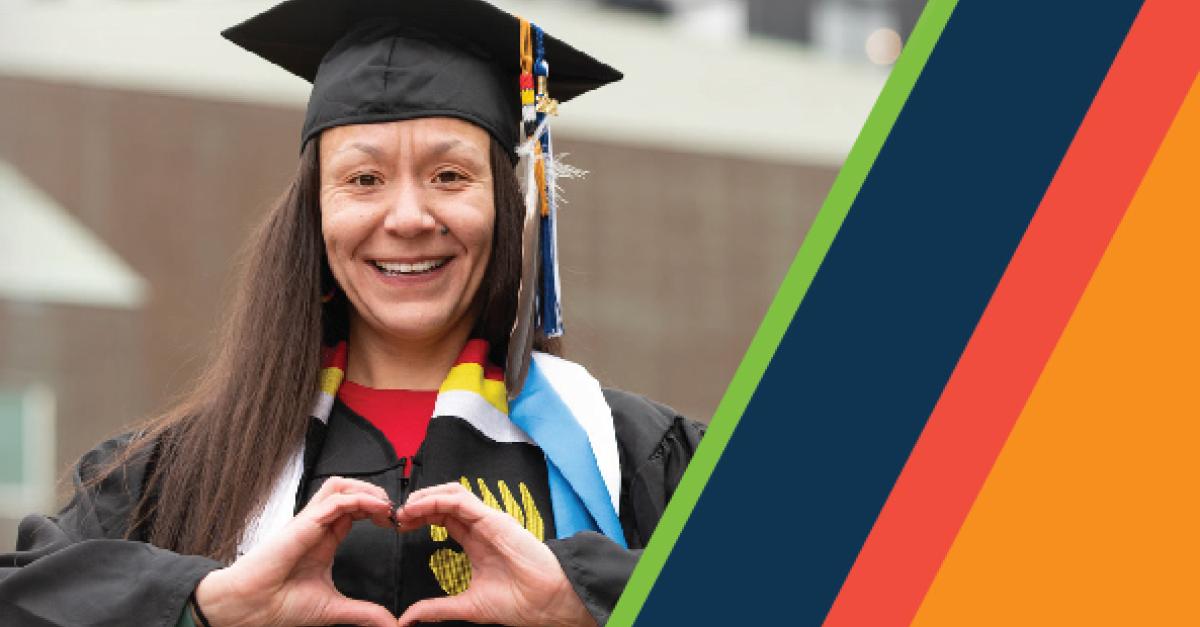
(408, 214)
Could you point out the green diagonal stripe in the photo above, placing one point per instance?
(783, 308)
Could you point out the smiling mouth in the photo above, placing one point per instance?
(390, 268)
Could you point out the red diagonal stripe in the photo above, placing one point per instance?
(1021, 325)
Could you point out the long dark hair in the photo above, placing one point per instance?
(215, 455)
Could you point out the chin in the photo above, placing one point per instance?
(414, 326)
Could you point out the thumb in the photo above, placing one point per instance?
(437, 610)
(351, 612)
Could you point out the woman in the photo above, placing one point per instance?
(403, 263)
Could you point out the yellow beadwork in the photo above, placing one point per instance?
(451, 568)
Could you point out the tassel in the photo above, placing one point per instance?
(550, 301)
(541, 175)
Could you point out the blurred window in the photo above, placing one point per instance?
(26, 450)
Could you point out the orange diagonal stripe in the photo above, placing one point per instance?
(1090, 515)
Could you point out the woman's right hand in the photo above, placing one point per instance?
(287, 580)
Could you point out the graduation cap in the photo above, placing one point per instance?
(386, 60)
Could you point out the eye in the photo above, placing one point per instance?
(365, 180)
(447, 177)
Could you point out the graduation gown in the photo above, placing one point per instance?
(77, 568)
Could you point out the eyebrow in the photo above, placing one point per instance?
(438, 149)
(451, 144)
(445, 147)
(465, 151)
(367, 148)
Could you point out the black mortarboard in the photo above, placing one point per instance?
(383, 60)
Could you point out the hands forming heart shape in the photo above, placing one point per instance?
(511, 577)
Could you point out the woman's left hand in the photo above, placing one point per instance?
(515, 579)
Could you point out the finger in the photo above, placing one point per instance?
(341, 528)
(455, 528)
(459, 504)
(438, 610)
(443, 509)
(380, 520)
(351, 612)
(452, 487)
(342, 485)
(346, 504)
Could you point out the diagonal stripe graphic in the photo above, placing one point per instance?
(1089, 516)
(886, 318)
(795, 284)
(1023, 321)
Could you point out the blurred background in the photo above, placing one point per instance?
(138, 148)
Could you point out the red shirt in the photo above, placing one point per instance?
(402, 415)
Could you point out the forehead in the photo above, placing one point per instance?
(398, 137)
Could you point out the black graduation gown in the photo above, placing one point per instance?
(76, 568)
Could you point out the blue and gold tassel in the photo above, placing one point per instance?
(549, 303)
(536, 107)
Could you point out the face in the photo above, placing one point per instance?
(407, 212)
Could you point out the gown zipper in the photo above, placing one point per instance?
(405, 479)
(401, 497)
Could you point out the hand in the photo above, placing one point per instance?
(287, 580)
(515, 579)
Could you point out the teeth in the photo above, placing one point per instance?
(409, 268)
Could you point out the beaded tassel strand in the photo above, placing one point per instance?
(550, 301)
(528, 102)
